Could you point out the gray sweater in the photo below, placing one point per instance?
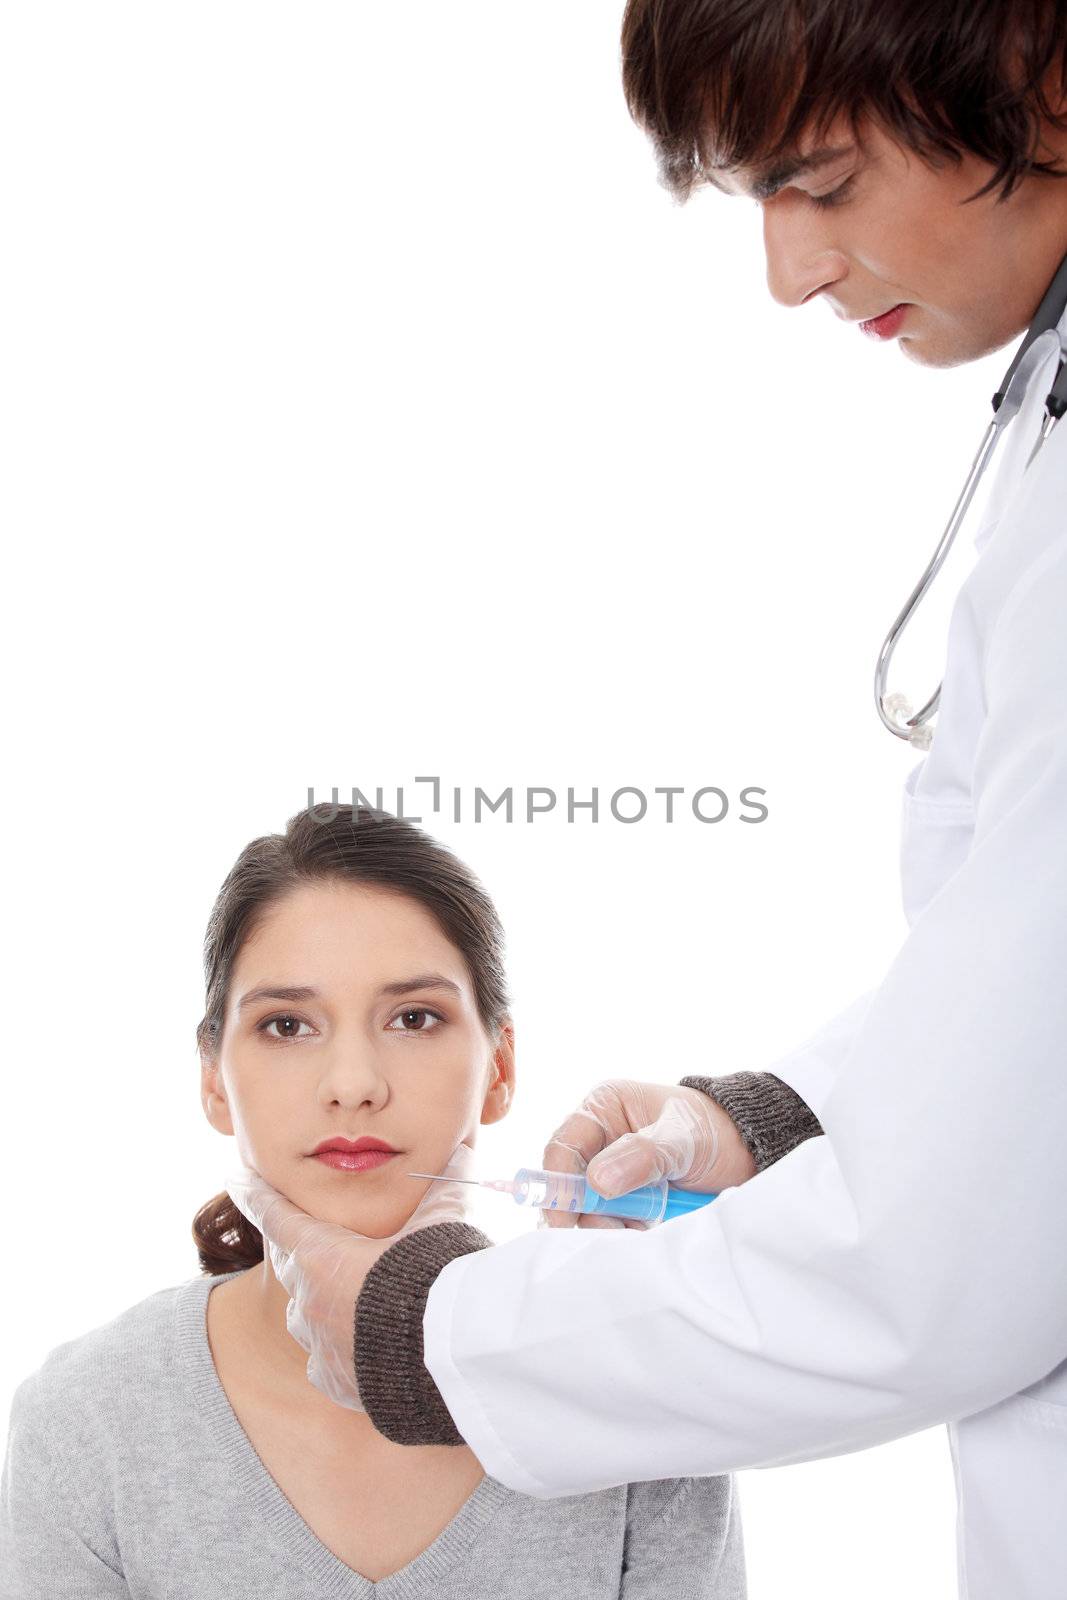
(129, 1477)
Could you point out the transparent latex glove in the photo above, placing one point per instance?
(626, 1133)
(323, 1265)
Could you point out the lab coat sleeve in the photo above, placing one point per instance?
(811, 1069)
(903, 1270)
(767, 1108)
(47, 1542)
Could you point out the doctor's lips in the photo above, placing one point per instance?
(354, 1155)
(885, 326)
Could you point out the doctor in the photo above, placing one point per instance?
(894, 1251)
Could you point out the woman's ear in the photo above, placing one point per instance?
(501, 1091)
(213, 1095)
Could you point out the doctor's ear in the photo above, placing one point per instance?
(501, 1091)
(213, 1095)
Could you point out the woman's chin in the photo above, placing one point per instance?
(372, 1220)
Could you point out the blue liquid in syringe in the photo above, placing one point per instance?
(572, 1192)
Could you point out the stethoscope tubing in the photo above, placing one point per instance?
(1038, 343)
(885, 655)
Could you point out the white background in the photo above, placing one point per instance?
(370, 412)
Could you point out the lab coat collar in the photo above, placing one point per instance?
(1014, 450)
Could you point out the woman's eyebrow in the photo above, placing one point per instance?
(278, 991)
(424, 980)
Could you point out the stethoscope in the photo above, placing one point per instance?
(1040, 340)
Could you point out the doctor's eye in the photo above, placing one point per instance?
(835, 196)
(284, 1023)
(410, 1022)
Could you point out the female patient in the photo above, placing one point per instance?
(355, 990)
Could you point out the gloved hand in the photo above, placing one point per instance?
(323, 1266)
(654, 1131)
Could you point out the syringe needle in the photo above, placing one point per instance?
(442, 1177)
(502, 1185)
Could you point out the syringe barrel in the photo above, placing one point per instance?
(570, 1191)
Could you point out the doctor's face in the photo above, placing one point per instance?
(383, 1039)
(870, 226)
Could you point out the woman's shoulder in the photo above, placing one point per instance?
(95, 1383)
(680, 1533)
(688, 1526)
(99, 1417)
(656, 1503)
(650, 1508)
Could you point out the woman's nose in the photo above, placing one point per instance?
(800, 260)
(351, 1073)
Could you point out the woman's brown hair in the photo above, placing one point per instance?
(730, 83)
(355, 844)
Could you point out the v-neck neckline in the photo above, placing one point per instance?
(332, 1578)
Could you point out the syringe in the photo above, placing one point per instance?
(571, 1191)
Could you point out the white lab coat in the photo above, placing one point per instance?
(910, 1267)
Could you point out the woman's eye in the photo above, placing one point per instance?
(413, 1020)
(286, 1026)
(835, 196)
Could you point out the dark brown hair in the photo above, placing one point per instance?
(729, 83)
(357, 845)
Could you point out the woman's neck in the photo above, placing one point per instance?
(250, 1311)
(264, 1303)
(263, 1371)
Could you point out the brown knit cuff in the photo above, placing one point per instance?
(771, 1117)
(398, 1394)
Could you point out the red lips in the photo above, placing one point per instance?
(353, 1146)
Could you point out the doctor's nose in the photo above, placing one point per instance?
(800, 264)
